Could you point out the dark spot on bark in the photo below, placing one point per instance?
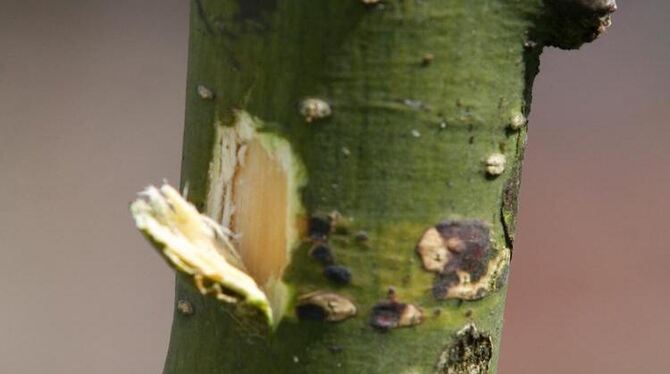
(443, 283)
(310, 312)
(386, 315)
(468, 245)
(362, 236)
(474, 236)
(427, 59)
(338, 274)
(470, 353)
(391, 313)
(323, 254)
(319, 228)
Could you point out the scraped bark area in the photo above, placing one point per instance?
(260, 186)
(254, 183)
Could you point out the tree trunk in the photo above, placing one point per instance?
(367, 156)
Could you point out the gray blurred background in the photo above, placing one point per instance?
(91, 110)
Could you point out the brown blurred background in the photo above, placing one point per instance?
(91, 110)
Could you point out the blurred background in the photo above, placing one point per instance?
(91, 110)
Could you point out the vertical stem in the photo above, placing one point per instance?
(414, 137)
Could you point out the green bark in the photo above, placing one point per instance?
(422, 92)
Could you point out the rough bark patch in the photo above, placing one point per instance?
(574, 22)
(469, 353)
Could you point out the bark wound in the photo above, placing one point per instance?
(261, 216)
(460, 252)
(254, 180)
(469, 353)
(324, 306)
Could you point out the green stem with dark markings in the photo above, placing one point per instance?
(422, 93)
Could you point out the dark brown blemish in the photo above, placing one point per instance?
(362, 236)
(338, 274)
(390, 314)
(465, 245)
(319, 228)
(311, 312)
(427, 59)
(473, 259)
(460, 253)
(470, 353)
(323, 254)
